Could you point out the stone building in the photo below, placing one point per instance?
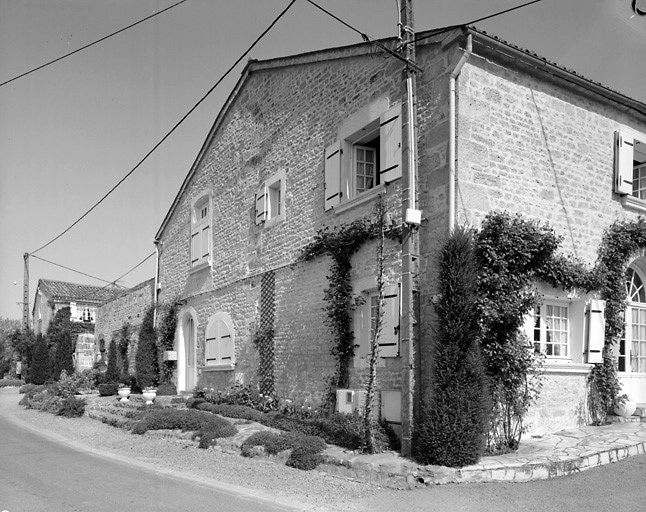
(309, 141)
(127, 309)
(82, 300)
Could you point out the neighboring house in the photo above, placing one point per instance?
(82, 300)
(310, 140)
(126, 308)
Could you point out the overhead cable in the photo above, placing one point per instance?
(70, 269)
(172, 129)
(90, 44)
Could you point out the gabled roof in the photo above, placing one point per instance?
(72, 292)
(482, 39)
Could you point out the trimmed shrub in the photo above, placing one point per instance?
(304, 459)
(455, 416)
(189, 419)
(108, 389)
(71, 407)
(10, 383)
(166, 389)
(28, 388)
(146, 360)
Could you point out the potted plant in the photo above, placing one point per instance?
(149, 394)
(124, 392)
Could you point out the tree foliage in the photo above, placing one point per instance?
(39, 371)
(456, 410)
(146, 359)
(59, 341)
(112, 372)
(7, 328)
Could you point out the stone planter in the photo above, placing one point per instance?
(627, 409)
(149, 395)
(124, 393)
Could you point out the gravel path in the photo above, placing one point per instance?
(306, 490)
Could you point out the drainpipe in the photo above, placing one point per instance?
(452, 123)
(155, 291)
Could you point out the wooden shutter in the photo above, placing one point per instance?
(206, 249)
(195, 246)
(211, 348)
(390, 144)
(333, 175)
(623, 164)
(261, 204)
(225, 342)
(389, 339)
(596, 331)
(73, 311)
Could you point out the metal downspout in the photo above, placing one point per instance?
(452, 123)
(156, 289)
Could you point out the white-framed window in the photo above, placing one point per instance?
(632, 347)
(366, 155)
(85, 314)
(270, 200)
(365, 319)
(219, 349)
(201, 230)
(551, 329)
(630, 164)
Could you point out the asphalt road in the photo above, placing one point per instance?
(37, 474)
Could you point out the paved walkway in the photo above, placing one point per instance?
(558, 454)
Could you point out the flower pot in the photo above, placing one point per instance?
(124, 393)
(149, 395)
(627, 409)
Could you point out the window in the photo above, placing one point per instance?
(632, 347)
(201, 231)
(85, 314)
(551, 330)
(219, 346)
(366, 155)
(365, 319)
(630, 164)
(270, 200)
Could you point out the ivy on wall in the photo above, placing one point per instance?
(263, 338)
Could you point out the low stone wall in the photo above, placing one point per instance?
(562, 403)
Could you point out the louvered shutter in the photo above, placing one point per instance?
(333, 175)
(261, 204)
(389, 339)
(623, 164)
(596, 331)
(390, 144)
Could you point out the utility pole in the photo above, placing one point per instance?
(411, 220)
(25, 294)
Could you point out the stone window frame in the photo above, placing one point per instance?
(630, 168)
(377, 125)
(270, 200)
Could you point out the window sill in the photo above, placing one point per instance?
(634, 203)
(199, 267)
(365, 197)
(272, 222)
(565, 366)
(218, 368)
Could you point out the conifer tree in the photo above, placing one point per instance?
(146, 360)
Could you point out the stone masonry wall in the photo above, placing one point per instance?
(128, 308)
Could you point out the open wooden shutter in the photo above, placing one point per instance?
(623, 164)
(390, 144)
(261, 204)
(211, 348)
(596, 331)
(333, 175)
(225, 343)
(196, 244)
(205, 242)
(389, 339)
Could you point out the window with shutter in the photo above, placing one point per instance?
(270, 200)
(219, 344)
(201, 230)
(630, 164)
(365, 158)
(548, 327)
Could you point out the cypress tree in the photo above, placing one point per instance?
(146, 359)
(455, 413)
(112, 373)
(39, 371)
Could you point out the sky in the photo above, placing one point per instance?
(71, 131)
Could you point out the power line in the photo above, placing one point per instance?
(448, 29)
(173, 128)
(90, 44)
(70, 269)
(93, 294)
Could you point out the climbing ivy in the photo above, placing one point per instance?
(166, 338)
